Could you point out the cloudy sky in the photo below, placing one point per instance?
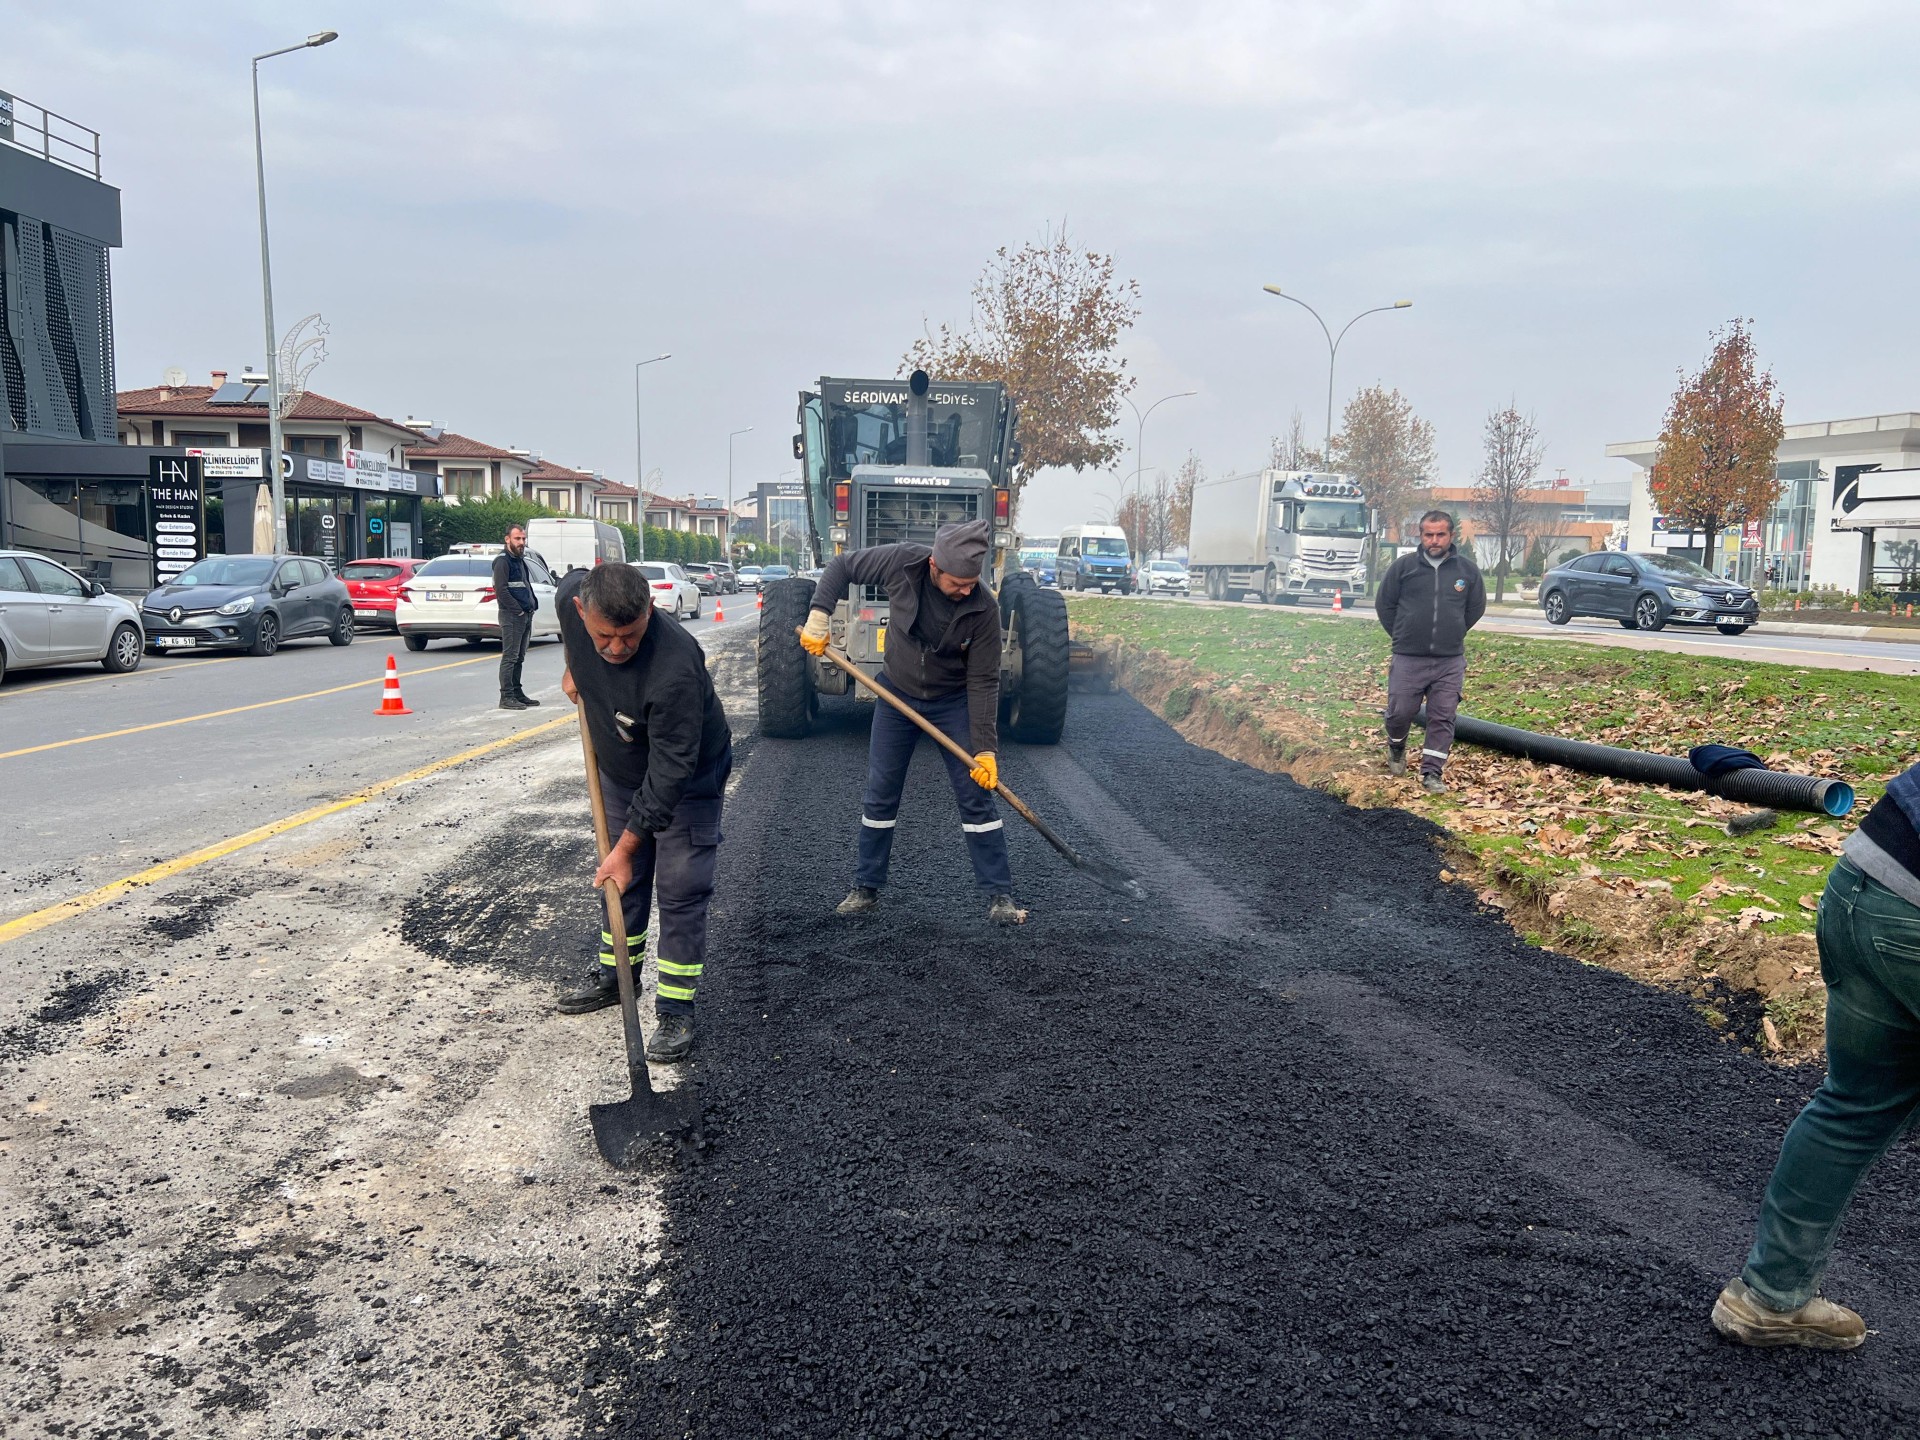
(499, 207)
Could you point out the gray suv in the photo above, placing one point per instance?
(1646, 591)
(50, 616)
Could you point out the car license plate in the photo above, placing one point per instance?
(880, 640)
(366, 610)
(175, 642)
(441, 595)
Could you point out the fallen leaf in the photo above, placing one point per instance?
(1809, 902)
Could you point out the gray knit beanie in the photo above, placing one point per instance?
(961, 549)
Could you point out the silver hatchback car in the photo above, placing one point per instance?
(50, 616)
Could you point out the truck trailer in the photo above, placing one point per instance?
(885, 461)
(1278, 534)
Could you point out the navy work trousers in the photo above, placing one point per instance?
(681, 861)
(889, 752)
(1436, 679)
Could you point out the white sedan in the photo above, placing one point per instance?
(1165, 577)
(673, 589)
(452, 597)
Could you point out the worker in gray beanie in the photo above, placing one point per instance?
(943, 659)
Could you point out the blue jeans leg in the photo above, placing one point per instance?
(1870, 958)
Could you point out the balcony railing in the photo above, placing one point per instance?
(27, 126)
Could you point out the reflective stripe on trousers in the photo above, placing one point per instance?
(674, 870)
(889, 753)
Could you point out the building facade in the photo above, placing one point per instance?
(1807, 540)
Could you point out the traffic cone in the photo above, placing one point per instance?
(1336, 600)
(759, 601)
(390, 701)
(719, 611)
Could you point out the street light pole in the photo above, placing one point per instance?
(726, 540)
(639, 466)
(274, 428)
(1140, 463)
(1333, 349)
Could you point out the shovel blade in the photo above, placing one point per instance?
(627, 1130)
(1112, 877)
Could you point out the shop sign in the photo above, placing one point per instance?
(367, 470)
(177, 514)
(231, 464)
(400, 538)
(6, 116)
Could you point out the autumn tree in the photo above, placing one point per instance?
(1506, 508)
(1180, 509)
(1292, 452)
(1388, 450)
(1047, 320)
(1158, 517)
(1714, 464)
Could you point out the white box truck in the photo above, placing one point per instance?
(1278, 534)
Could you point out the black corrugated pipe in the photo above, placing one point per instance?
(1750, 787)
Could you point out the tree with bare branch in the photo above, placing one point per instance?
(1505, 504)
(1292, 452)
(1714, 466)
(1047, 320)
(1388, 450)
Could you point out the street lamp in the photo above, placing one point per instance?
(1139, 469)
(1333, 348)
(639, 468)
(726, 543)
(274, 438)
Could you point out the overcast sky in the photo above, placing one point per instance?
(499, 207)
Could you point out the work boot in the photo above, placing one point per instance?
(512, 702)
(672, 1037)
(859, 901)
(1741, 1315)
(1396, 758)
(1002, 911)
(526, 701)
(1433, 785)
(600, 991)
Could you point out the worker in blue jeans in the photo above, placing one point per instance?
(1869, 934)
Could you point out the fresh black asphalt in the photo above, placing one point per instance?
(1311, 1144)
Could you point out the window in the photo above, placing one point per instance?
(457, 565)
(555, 499)
(370, 570)
(1677, 565)
(322, 446)
(12, 577)
(50, 579)
(1104, 545)
(312, 572)
(465, 484)
(1588, 564)
(201, 439)
(1619, 565)
(227, 570)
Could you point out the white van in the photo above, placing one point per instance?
(1094, 557)
(575, 542)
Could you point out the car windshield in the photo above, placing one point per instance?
(778, 571)
(751, 570)
(228, 570)
(1103, 545)
(1677, 565)
(368, 570)
(457, 565)
(1172, 565)
(1333, 517)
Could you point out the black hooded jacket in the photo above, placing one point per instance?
(1428, 609)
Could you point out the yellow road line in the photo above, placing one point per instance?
(236, 710)
(18, 685)
(94, 899)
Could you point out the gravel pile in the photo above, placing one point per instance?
(1309, 1145)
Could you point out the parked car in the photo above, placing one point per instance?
(673, 589)
(575, 542)
(50, 616)
(730, 582)
(248, 602)
(1165, 577)
(375, 588)
(1646, 591)
(771, 573)
(711, 577)
(452, 597)
(749, 577)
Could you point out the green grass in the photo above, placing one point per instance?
(1537, 825)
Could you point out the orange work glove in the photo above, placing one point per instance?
(813, 639)
(986, 770)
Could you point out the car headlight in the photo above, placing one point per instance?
(1682, 594)
(1296, 567)
(242, 606)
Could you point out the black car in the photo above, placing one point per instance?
(1646, 591)
(248, 602)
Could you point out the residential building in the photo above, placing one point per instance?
(350, 493)
(559, 488)
(617, 503)
(1810, 537)
(67, 489)
(664, 513)
(468, 469)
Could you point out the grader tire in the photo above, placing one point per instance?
(787, 700)
(1036, 712)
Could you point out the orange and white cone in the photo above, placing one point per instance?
(719, 611)
(759, 600)
(1336, 601)
(390, 701)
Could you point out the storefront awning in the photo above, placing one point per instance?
(1880, 500)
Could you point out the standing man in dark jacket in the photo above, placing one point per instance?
(1427, 602)
(1869, 934)
(513, 594)
(665, 752)
(943, 659)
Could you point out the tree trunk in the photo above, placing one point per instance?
(1500, 576)
(1707, 555)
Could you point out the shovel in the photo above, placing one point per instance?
(1107, 875)
(625, 1130)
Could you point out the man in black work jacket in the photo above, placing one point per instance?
(513, 594)
(665, 752)
(1427, 601)
(943, 659)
